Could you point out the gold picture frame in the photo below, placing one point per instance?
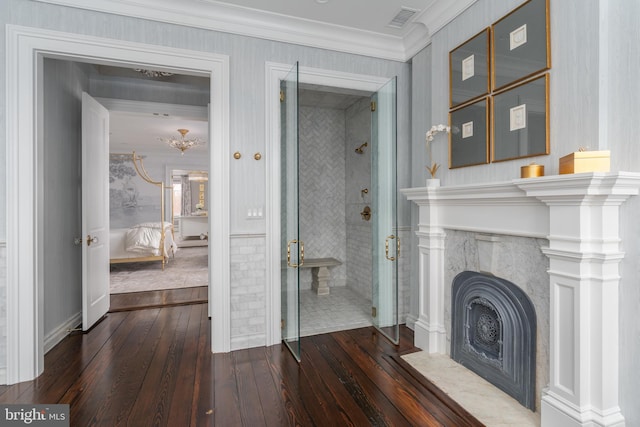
(520, 44)
(469, 136)
(520, 120)
(469, 70)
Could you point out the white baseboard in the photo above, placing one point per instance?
(248, 341)
(59, 333)
(411, 322)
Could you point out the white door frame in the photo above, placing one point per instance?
(25, 49)
(274, 73)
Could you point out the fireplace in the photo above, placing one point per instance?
(578, 215)
(493, 333)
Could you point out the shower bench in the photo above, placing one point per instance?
(320, 274)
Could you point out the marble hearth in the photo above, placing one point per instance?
(577, 217)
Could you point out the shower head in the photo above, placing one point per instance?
(360, 150)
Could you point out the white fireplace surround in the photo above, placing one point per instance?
(579, 215)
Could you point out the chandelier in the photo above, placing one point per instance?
(153, 73)
(182, 143)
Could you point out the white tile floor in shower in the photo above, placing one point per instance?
(342, 309)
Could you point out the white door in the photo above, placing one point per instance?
(95, 211)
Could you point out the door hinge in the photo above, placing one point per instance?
(282, 323)
(373, 105)
(374, 312)
(281, 96)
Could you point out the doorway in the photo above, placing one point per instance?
(26, 49)
(335, 182)
(298, 179)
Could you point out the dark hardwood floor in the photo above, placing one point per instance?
(153, 299)
(154, 367)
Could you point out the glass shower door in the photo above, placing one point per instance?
(386, 244)
(292, 249)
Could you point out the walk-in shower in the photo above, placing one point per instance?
(334, 182)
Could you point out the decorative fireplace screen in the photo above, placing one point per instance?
(494, 333)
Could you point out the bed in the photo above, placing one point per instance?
(142, 242)
(148, 241)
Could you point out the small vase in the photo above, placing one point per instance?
(433, 182)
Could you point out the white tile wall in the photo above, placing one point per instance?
(248, 303)
(322, 189)
(358, 177)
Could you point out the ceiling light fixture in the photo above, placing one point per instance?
(182, 143)
(152, 73)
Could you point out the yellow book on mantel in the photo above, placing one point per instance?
(586, 161)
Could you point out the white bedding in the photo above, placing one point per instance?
(141, 240)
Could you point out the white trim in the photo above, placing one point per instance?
(274, 73)
(247, 341)
(245, 21)
(248, 235)
(59, 333)
(177, 111)
(25, 46)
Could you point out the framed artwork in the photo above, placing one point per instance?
(469, 137)
(201, 187)
(520, 44)
(469, 70)
(520, 126)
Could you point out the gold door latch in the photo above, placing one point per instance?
(289, 243)
(91, 240)
(386, 247)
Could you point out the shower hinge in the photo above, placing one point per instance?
(373, 105)
(282, 323)
(374, 312)
(281, 96)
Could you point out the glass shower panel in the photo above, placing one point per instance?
(386, 244)
(292, 252)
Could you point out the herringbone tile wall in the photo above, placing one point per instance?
(322, 189)
(358, 124)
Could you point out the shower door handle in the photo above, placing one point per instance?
(289, 243)
(386, 247)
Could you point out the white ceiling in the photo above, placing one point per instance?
(137, 126)
(353, 26)
(141, 132)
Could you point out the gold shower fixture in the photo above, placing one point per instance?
(359, 149)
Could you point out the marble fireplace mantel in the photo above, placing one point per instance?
(579, 215)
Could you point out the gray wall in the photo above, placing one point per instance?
(594, 102)
(64, 83)
(247, 63)
(247, 105)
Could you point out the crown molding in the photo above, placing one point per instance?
(433, 18)
(233, 19)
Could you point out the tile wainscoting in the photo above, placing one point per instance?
(248, 292)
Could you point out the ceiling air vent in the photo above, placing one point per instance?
(402, 17)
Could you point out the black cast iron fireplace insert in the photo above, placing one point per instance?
(493, 333)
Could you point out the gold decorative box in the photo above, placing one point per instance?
(531, 171)
(586, 161)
